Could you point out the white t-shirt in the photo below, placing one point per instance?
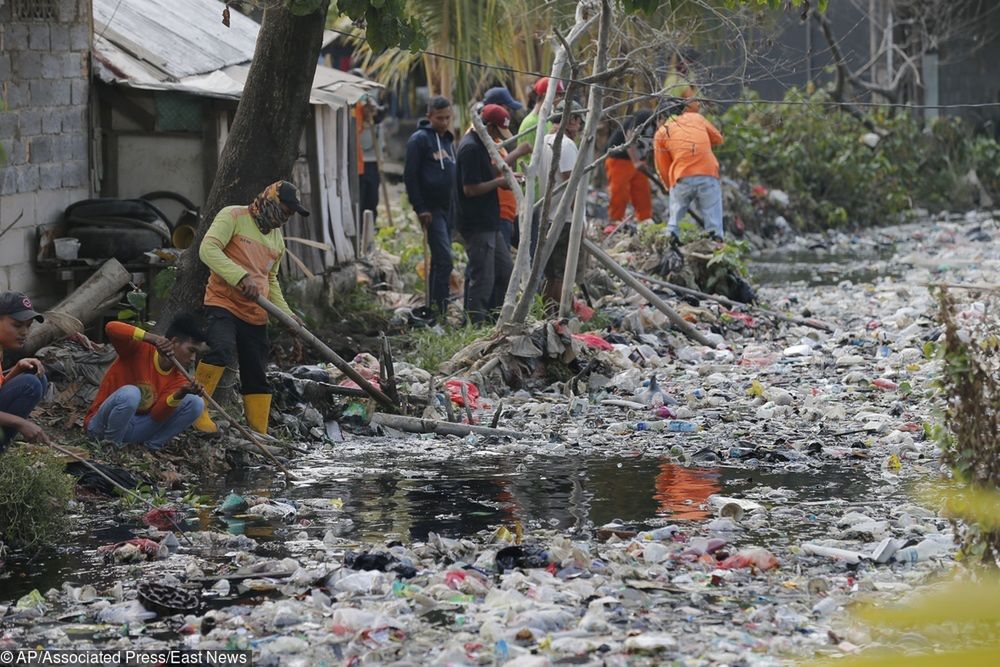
(567, 158)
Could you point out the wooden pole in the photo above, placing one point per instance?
(815, 324)
(326, 352)
(427, 267)
(247, 433)
(658, 303)
(381, 174)
(417, 425)
(595, 104)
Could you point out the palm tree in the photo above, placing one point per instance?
(512, 34)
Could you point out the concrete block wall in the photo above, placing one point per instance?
(44, 130)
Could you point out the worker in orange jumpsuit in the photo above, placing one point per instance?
(628, 173)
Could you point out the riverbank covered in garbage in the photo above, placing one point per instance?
(727, 514)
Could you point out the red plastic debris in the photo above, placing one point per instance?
(745, 318)
(454, 579)
(162, 518)
(582, 311)
(454, 389)
(885, 384)
(757, 558)
(593, 340)
(146, 546)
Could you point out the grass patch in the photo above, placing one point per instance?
(429, 348)
(34, 491)
(358, 311)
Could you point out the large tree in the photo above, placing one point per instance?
(263, 141)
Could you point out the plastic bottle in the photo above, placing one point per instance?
(670, 425)
(922, 551)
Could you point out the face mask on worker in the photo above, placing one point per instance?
(267, 210)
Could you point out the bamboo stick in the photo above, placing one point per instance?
(417, 425)
(815, 324)
(71, 454)
(247, 433)
(647, 293)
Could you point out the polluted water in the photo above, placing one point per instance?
(688, 504)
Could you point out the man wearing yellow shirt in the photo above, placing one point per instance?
(243, 249)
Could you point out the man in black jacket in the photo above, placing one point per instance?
(478, 216)
(429, 175)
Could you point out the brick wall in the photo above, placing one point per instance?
(44, 127)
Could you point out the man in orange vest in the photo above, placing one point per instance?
(243, 248)
(682, 151)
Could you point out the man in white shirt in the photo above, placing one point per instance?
(567, 158)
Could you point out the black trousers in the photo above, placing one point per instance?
(369, 183)
(232, 340)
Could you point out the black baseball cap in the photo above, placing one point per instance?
(289, 196)
(19, 307)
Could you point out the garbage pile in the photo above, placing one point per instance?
(621, 595)
(762, 578)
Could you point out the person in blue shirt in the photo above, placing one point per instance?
(429, 175)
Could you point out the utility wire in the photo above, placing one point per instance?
(733, 100)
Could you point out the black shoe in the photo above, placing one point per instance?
(675, 241)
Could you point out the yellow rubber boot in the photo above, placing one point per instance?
(208, 376)
(258, 409)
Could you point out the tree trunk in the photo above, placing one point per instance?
(264, 140)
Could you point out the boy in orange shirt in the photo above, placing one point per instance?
(682, 152)
(143, 398)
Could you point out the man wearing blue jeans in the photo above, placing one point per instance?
(143, 398)
(429, 175)
(22, 385)
(682, 150)
(706, 192)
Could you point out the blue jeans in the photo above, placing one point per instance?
(18, 397)
(116, 420)
(439, 240)
(707, 190)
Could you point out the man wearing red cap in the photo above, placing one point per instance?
(478, 216)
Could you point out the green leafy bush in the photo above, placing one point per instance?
(34, 491)
(816, 154)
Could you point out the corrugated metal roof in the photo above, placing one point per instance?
(179, 37)
(182, 45)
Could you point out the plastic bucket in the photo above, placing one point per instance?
(67, 248)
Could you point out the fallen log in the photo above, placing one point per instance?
(682, 325)
(84, 304)
(815, 324)
(417, 425)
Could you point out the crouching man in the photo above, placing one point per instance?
(143, 398)
(23, 384)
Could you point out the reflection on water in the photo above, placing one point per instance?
(454, 499)
(821, 267)
(680, 490)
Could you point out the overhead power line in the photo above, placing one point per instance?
(732, 100)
